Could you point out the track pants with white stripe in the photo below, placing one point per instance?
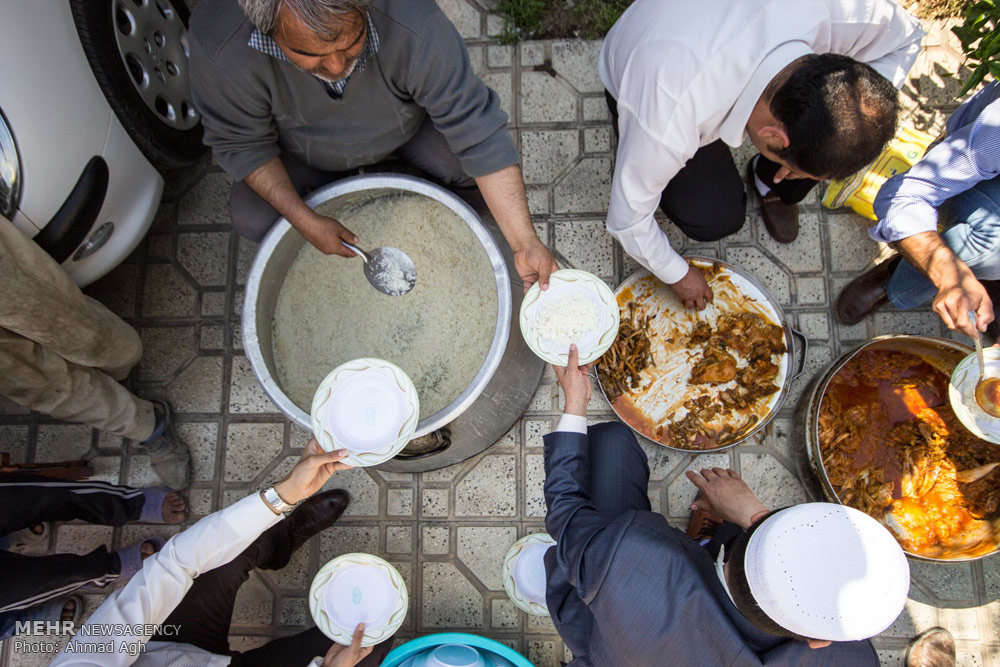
(26, 500)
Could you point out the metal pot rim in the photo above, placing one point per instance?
(362, 183)
(790, 343)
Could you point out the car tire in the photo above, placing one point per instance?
(137, 50)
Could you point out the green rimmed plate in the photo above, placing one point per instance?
(358, 587)
(566, 283)
(368, 407)
(524, 581)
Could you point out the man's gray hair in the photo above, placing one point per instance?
(316, 15)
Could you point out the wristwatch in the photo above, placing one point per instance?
(273, 500)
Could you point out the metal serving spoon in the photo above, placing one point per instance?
(987, 388)
(389, 270)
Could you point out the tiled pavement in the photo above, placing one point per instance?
(447, 530)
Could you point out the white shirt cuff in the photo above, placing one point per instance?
(572, 424)
(675, 268)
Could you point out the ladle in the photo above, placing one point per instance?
(389, 270)
(987, 388)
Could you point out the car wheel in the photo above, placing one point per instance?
(138, 50)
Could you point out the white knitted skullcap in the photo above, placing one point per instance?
(827, 572)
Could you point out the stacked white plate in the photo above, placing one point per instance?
(368, 407)
(358, 588)
(962, 394)
(523, 573)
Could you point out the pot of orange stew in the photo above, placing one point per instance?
(882, 437)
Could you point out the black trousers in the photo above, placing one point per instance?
(205, 614)
(26, 500)
(706, 198)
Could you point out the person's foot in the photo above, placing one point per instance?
(161, 505)
(170, 457)
(781, 220)
(68, 610)
(315, 515)
(865, 293)
(931, 648)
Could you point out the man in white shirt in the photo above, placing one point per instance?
(189, 586)
(809, 81)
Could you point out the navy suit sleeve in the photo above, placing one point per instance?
(585, 539)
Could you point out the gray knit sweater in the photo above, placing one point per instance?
(255, 106)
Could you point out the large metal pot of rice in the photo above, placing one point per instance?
(454, 334)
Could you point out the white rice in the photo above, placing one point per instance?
(439, 333)
(567, 319)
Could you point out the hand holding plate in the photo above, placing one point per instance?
(348, 656)
(310, 473)
(575, 383)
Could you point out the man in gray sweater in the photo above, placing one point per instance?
(295, 93)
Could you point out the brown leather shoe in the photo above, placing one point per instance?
(931, 648)
(315, 515)
(780, 219)
(702, 524)
(865, 293)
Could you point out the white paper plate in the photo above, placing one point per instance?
(523, 573)
(563, 283)
(356, 588)
(368, 407)
(962, 394)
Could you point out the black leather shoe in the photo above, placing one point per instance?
(315, 515)
(780, 219)
(865, 293)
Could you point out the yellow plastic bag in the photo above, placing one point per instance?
(859, 191)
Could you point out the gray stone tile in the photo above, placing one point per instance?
(434, 540)
(597, 139)
(245, 393)
(815, 325)
(499, 55)
(482, 550)
(503, 614)
(947, 581)
(213, 304)
(810, 291)
(363, 489)
(586, 188)
(200, 502)
(62, 442)
(662, 461)
(909, 322)
(536, 429)
(588, 245)
(576, 61)
(213, 337)
(802, 254)
(207, 203)
(140, 472)
(77, 539)
(450, 600)
(503, 84)
(400, 502)
(542, 624)
(253, 603)
(534, 481)
(595, 108)
(165, 351)
(543, 653)
(434, 503)
(204, 255)
(771, 482)
(246, 251)
(117, 290)
(681, 492)
(463, 15)
(295, 611)
(167, 293)
(399, 539)
(546, 153)
(343, 539)
(531, 53)
(14, 441)
(770, 274)
(250, 448)
(489, 489)
(546, 99)
(199, 386)
(851, 249)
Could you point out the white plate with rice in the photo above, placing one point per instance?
(578, 307)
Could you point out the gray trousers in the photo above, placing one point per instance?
(61, 352)
(428, 151)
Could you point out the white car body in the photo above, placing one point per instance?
(60, 120)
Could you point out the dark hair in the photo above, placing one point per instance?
(839, 113)
(740, 589)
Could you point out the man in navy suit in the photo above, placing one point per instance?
(805, 585)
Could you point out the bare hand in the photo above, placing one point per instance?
(310, 473)
(348, 656)
(726, 495)
(692, 290)
(575, 383)
(327, 235)
(535, 263)
(954, 301)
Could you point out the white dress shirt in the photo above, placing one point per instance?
(166, 576)
(688, 72)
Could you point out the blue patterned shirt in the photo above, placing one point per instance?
(335, 89)
(968, 154)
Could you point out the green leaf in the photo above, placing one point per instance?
(977, 76)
